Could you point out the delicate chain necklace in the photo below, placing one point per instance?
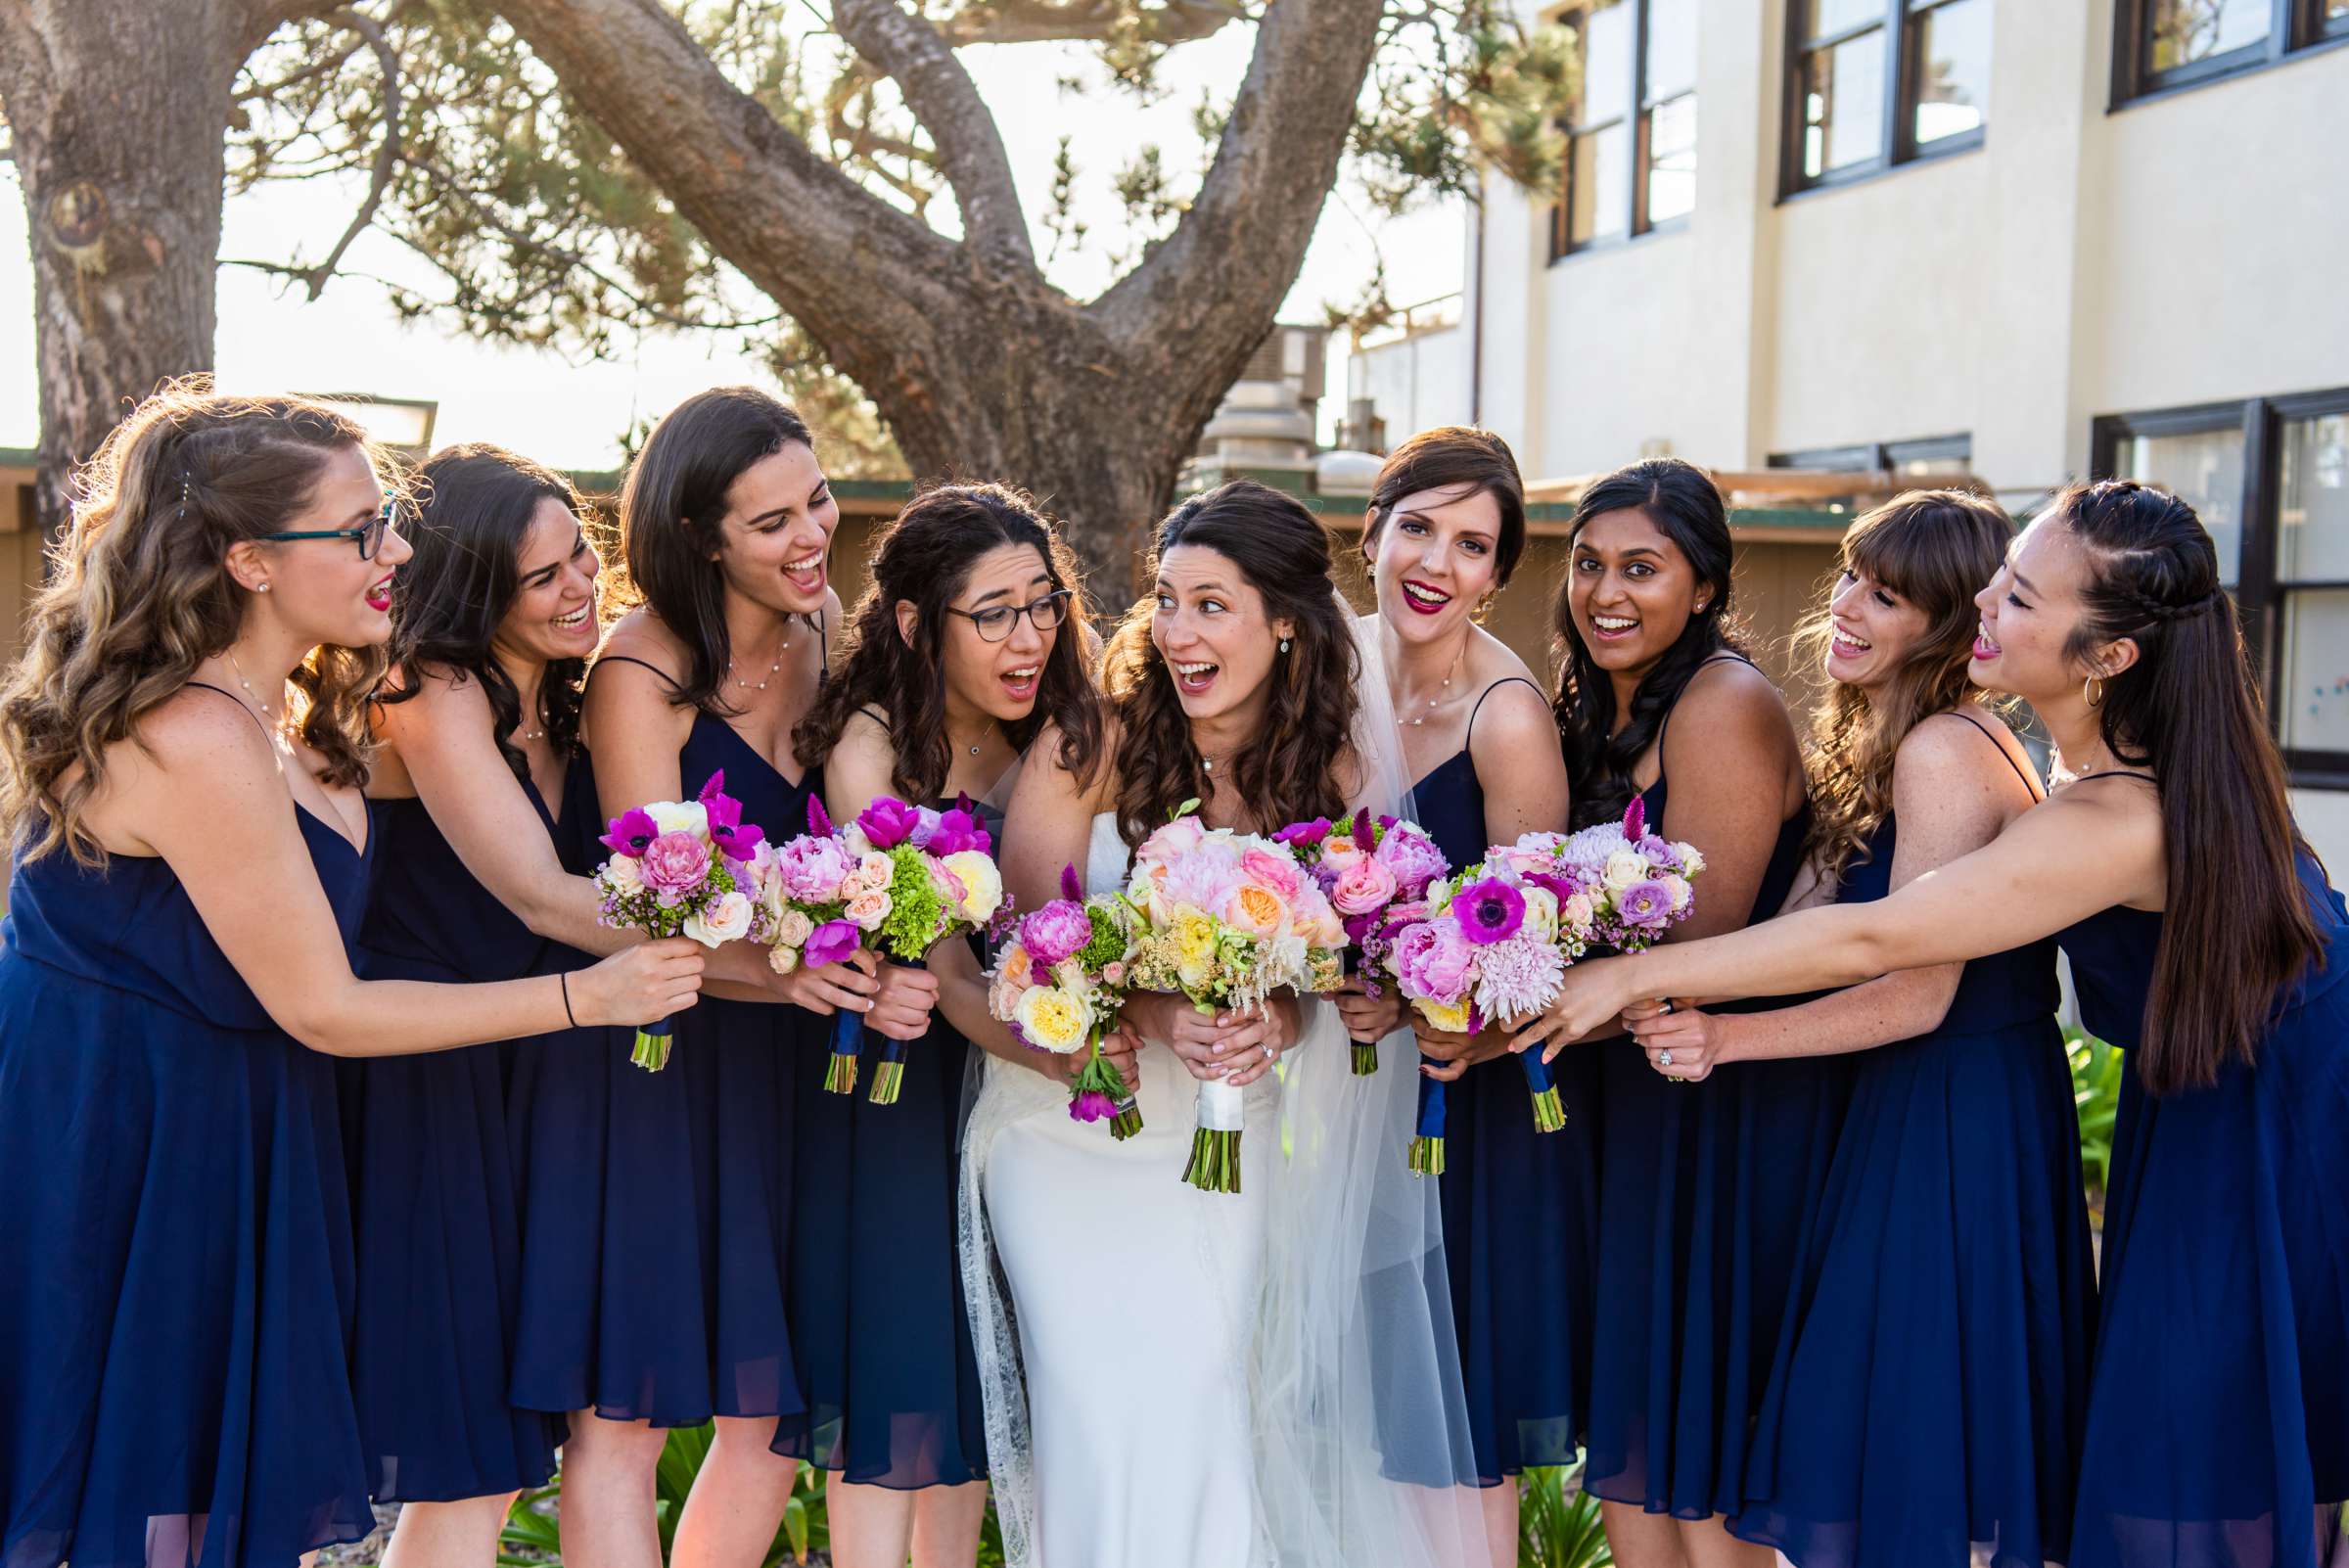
(277, 721)
(772, 669)
(1434, 702)
(973, 747)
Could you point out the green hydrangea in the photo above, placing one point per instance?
(916, 910)
(1107, 944)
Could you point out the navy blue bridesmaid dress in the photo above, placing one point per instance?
(657, 1206)
(434, 1207)
(1704, 1190)
(176, 1237)
(1519, 1213)
(2217, 1407)
(877, 1313)
(1929, 1387)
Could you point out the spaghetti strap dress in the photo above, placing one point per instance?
(2218, 1406)
(1930, 1383)
(175, 1235)
(1704, 1190)
(435, 1210)
(657, 1206)
(1520, 1211)
(877, 1314)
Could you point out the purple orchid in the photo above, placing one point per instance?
(1490, 910)
(888, 822)
(630, 832)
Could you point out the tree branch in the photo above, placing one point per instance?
(1064, 21)
(944, 98)
(1273, 169)
(387, 153)
(865, 279)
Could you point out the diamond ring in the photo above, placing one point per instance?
(1664, 1059)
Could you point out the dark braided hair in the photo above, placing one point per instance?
(1687, 508)
(2237, 927)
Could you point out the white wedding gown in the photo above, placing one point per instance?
(1132, 1293)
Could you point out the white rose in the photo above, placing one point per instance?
(680, 816)
(1577, 915)
(795, 927)
(783, 960)
(1678, 887)
(1626, 868)
(724, 920)
(982, 883)
(622, 875)
(1540, 914)
(856, 842)
(1691, 863)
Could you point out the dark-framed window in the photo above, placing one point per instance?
(2160, 46)
(1925, 459)
(2270, 477)
(1876, 84)
(1630, 132)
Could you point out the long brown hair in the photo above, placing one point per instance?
(1289, 769)
(474, 505)
(924, 558)
(2237, 927)
(1935, 549)
(1685, 506)
(139, 594)
(1454, 457)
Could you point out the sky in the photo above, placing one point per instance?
(572, 414)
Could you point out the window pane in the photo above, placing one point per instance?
(1602, 45)
(1672, 158)
(2206, 470)
(1834, 15)
(1952, 70)
(1599, 188)
(1843, 104)
(2314, 694)
(1672, 48)
(2313, 540)
(2179, 32)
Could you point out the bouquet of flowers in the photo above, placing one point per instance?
(1059, 984)
(680, 868)
(1374, 870)
(1232, 918)
(1499, 936)
(899, 879)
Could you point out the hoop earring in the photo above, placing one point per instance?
(2092, 691)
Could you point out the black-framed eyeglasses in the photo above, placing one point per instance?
(994, 623)
(370, 533)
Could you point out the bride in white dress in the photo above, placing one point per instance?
(1187, 1379)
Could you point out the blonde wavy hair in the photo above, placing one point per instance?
(139, 594)
(1935, 549)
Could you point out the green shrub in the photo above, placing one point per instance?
(1558, 1526)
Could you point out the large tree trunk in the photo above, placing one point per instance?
(981, 368)
(118, 111)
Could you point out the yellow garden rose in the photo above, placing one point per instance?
(1052, 1019)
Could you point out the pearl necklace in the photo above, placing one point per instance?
(1458, 660)
(277, 721)
(771, 671)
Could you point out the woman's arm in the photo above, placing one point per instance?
(1731, 754)
(443, 735)
(1952, 790)
(2096, 845)
(1048, 825)
(205, 791)
(861, 768)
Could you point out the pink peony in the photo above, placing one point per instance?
(1056, 931)
(1183, 834)
(676, 864)
(1434, 960)
(1413, 858)
(1273, 871)
(811, 869)
(1363, 886)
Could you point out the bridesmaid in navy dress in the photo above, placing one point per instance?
(1444, 529)
(1703, 1187)
(185, 741)
(2203, 940)
(1930, 1379)
(725, 521)
(964, 645)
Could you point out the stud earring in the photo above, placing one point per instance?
(264, 588)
